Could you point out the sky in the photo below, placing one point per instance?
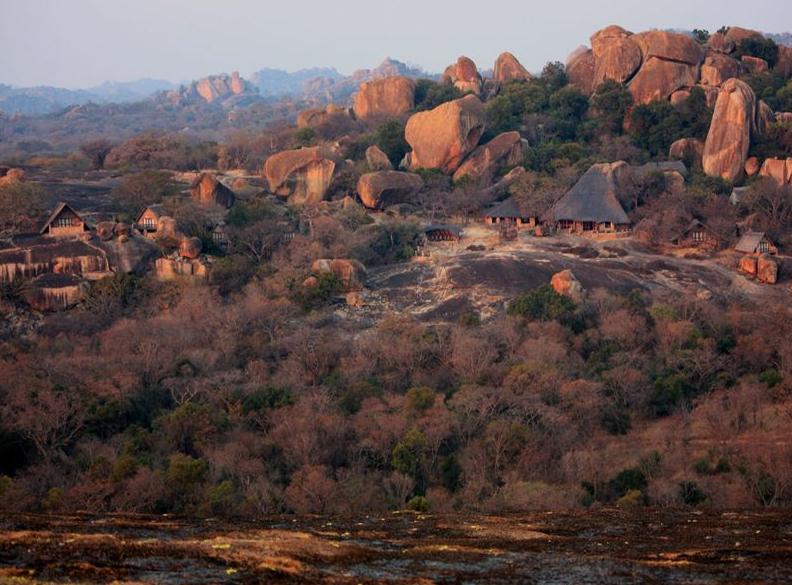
(81, 43)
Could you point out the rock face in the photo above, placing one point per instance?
(171, 268)
(602, 38)
(212, 89)
(752, 166)
(687, 149)
(351, 273)
(190, 248)
(565, 283)
(318, 116)
(618, 60)
(303, 175)
(208, 190)
(105, 230)
(392, 96)
(167, 228)
(777, 170)
(669, 46)
(377, 160)
(754, 65)
(508, 68)
(736, 34)
(580, 68)
(658, 79)
(766, 269)
(748, 265)
(441, 138)
(729, 137)
(784, 64)
(720, 43)
(463, 75)
(11, 176)
(507, 149)
(55, 292)
(717, 68)
(382, 188)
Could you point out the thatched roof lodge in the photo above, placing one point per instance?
(64, 221)
(592, 206)
(442, 233)
(511, 211)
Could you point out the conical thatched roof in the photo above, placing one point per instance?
(593, 198)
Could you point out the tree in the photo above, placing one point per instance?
(144, 188)
(760, 47)
(389, 137)
(773, 202)
(611, 102)
(20, 206)
(97, 151)
(430, 94)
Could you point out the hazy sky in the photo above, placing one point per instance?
(79, 43)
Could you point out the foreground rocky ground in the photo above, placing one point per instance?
(606, 546)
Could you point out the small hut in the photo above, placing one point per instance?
(64, 221)
(697, 235)
(148, 219)
(511, 212)
(220, 235)
(591, 206)
(755, 243)
(442, 233)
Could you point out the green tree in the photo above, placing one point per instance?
(430, 94)
(390, 139)
(611, 103)
(541, 304)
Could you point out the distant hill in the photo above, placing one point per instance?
(130, 91)
(277, 82)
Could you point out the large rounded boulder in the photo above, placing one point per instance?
(603, 38)
(580, 67)
(729, 137)
(507, 149)
(687, 149)
(717, 68)
(383, 188)
(618, 60)
(669, 46)
(463, 75)
(508, 68)
(391, 96)
(208, 190)
(659, 79)
(441, 138)
(302, 176)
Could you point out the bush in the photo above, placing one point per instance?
(761, 47)
(430, 94)
(771, 378)
(691, 494)
(615, 420)
(418, 504)
(626, 481)
(267, 398)
(324, 292)
(541, 304)
(389, 137)
(305, 137)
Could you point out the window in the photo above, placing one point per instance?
(565, 224)
(148, 223)
(64, 222)
(698, 236)
(763, 247)
(588, 226)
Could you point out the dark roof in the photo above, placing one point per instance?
(593, 198)
(58, 210)
(749, 243)
(157, 208)
(441, 227)
(505, 209)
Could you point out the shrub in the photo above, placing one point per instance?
(389, 137)
(691, 494)
(418, 504)
(626, 481)
(615, 420)
(430, 94)
(305, 137)
(451, 473)
(185, 473)
(632, 499)
(541, 304)
(267, 398)
(324, 292)
(761, 47)
(420, 398)
(771, 378)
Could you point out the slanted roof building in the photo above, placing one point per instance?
(148, 219)
(64, 221)
(510, 211)
(755, 243)
(592, 204)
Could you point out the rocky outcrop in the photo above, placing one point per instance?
(212, 89)
(618, 60)
(580, 68)
(783, 65)
(167, 229)
(566, 284)
(11, 176)
(720, 43)
(351, 273)
(778, 170)
(659, 79)
(752, 166)
(669, 47)
(604, 37)
(303, 175)
(766, 269)
(729, 137)
(172, 268)
(508, 68)
(383, 188)
(736, 34)
(507, 149)
(754, 65)
(441, 138)
(392, 96)
(747, 265)
(377, 160)
(208, 190)
(318, 116)
(687, 149)
(717, 68)
(463, 75)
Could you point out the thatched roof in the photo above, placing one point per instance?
(156, 208)
(452, 229)
(62, 206)
(749, 243)
(507, 209)
(593, 198)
